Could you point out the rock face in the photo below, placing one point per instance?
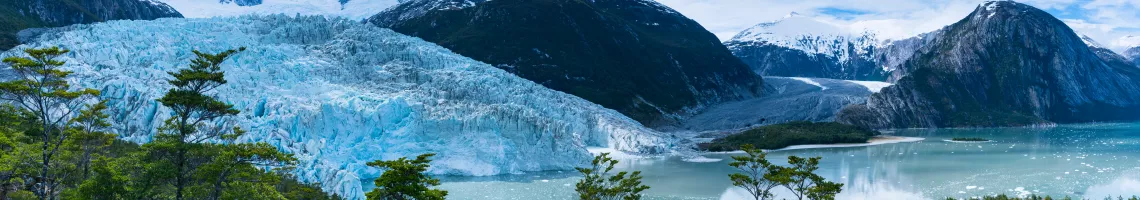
(338, 93)
(1006, 64)
(635, 56)
(800, 46)
(16, 15)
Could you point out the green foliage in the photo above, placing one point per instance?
(757, 175)
(108, 183)
(792, 133)
(187, 159)
(181, 143)
(598, 184)
(40, 86)
(405, 179)
(293, 189)
(801, 179)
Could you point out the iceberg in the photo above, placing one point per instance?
(338, 93)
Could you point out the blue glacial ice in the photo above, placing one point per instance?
(338, 93)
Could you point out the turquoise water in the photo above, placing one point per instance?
(1089, 160)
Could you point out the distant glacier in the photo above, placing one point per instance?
(338, 93)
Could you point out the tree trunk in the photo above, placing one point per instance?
(46, 190)
(218, 184)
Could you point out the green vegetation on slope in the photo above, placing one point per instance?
(793, 133)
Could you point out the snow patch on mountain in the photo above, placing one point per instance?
(872, 86)
(812, 36)
(339, 93)
(354, 9)
(1091, 43)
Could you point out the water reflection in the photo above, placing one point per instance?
(1094, 160)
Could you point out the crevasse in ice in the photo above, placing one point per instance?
(338, 93)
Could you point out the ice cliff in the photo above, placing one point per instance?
(338, 93)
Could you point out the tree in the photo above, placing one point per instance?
(107, 184)
(187, 129)
(89, 137)
(801, 179)
(41, 87)
(240, 166)
(405, 179)
(758, 173)
(597, 185)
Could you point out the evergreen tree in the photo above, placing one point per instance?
(801, 179)
(757, 173)
(186, 131)
(239, 167)
(598, 185)
(405, 180)
(107, 183)
(41, 87)
(89, 137)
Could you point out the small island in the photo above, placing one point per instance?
(779, 136)
(972, 139)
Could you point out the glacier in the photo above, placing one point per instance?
(338, 93)
(785, 99)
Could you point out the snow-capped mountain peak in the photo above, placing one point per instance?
(810, 35)
(1092, 43)
(792, 26)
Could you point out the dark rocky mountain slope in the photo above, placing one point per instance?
(1006, 64)
(635, 56)
(16, 15)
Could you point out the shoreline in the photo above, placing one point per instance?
(876, 140)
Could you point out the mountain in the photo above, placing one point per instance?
(17, 15)
(801, 46)
(894, 53)
(352, 9)
(338, 93)
(1006, 64)
(1132, 53)
(635, 56)
(1108, 56)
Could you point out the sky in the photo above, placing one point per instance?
(1106, 21)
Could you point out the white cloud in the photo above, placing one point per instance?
(1104, 20)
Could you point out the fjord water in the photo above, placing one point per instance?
(1086, 160)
